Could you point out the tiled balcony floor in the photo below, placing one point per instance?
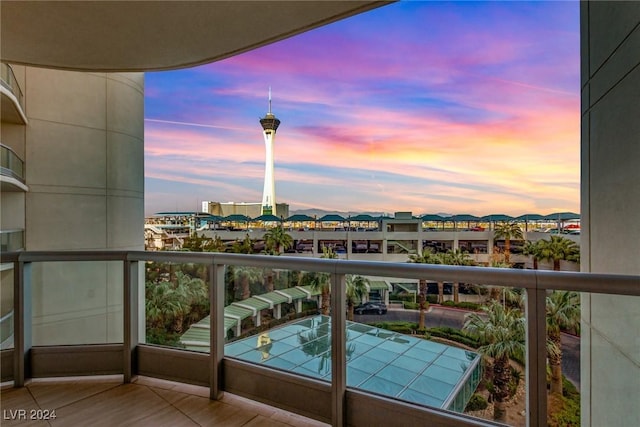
(105, 401)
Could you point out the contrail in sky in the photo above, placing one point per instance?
(192, 124)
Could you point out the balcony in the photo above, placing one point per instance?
(11, 240)
(104, 333)
(11, 170)
(12, 97)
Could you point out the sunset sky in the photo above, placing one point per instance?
(429, 107)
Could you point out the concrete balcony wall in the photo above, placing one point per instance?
(610, 69)
(84, 156)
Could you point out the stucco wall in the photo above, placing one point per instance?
(84, 154)
(610, 346)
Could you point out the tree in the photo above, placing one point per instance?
(502, 333)
(215, 245)
(243, 247)
(161, 304)
(558, 248)
(563, 312)
(321, 281)
(277, 240)
(508, 230)
(457, 257)
(426, 257)
(195, 243)
(171, 307)
(356, 288)
(245, 275)
(532, 249)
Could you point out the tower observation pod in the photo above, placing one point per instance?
(269, 126)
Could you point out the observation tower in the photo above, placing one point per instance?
(269, 126)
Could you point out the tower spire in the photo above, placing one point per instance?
(269, 127)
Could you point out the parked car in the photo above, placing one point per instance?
(371, 307)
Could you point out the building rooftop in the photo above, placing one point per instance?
(378, 360)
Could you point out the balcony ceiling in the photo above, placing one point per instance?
(154, 35)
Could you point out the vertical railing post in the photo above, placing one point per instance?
(216, 330)
(131, 318)
(21, 322)
(536, 358)
(338, 349)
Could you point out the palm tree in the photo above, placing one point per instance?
(563, 312)
(245, 275)
(457, 257)
(502, 332)
(277, 239)
(191, 294)
(356, 287)
(508, 230)
(161, 304)
(243, 247)
(426, 257)
(558, 248)
(321, 281)
(532, 249)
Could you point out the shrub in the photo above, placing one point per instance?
(463, 304)
(402, 297)
(454, 335)
(411, 305)
(476, 403)
(400, 327)
(432, 299)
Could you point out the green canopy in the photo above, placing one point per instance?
(268, 218)
(562, 216)
(463, 217)
(497, 217)
(530, 217)
(300, 218)
(237, 218)
(362, 217)
(328, 218)
(433, 217)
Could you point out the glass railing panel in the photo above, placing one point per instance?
(442, 357)
(176, 305)
(11, 240)
(10, 163)
(6, 306)
(77, 302)
(275, 318)
(8, 79)
(610, 347)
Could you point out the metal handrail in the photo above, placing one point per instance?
(615, 284)
(12, 240)
(10, 163)
(535, 282)
(8, 79)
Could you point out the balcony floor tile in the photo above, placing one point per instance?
(105, 401)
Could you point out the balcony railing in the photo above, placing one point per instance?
(10, 164)
(11, 240)
(8, 80)
(330, 401)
